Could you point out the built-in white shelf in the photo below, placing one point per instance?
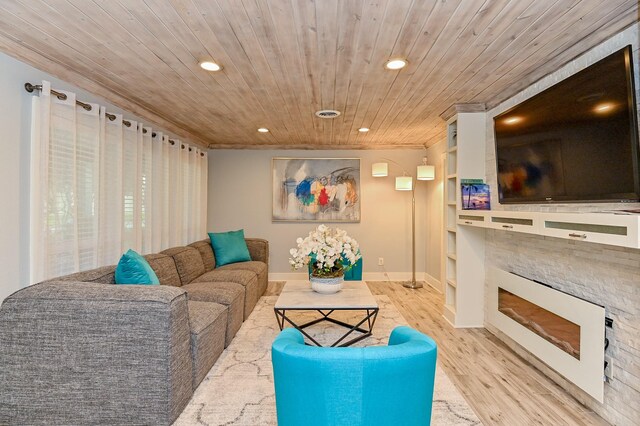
(612, 228)
(464, 260)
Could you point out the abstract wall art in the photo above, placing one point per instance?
(316, 189)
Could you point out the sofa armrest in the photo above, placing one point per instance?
(88, 353)
(258, 249)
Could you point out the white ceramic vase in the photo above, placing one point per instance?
(326, 285)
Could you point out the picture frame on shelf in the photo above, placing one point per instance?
(475, 196)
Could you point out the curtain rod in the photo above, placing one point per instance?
(61, 96)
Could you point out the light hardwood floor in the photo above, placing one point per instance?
(501, 387)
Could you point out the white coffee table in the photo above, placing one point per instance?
(354, 296)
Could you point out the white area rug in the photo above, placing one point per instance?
(239, 388)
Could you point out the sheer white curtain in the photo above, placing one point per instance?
(101, 185)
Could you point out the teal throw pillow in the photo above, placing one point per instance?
(134, 269)
(229, 247)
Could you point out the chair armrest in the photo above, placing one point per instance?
(258, 249)
(65, 345)
(403, 334)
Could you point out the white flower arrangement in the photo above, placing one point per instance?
(327, 248)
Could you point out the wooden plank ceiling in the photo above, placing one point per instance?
(285, 59)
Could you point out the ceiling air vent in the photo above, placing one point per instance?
(327, 113)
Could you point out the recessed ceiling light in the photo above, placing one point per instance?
(395, 64)
(363, 129)
(263, 130)
(210, 66)
(512, 120)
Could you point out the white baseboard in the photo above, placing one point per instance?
(366, 276)
(433, 282)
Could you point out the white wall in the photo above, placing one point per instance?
(435, 216)
(240, 197)
(15, 120)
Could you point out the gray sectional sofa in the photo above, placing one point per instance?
(80, 350)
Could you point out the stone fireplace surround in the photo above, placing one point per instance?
(606, 275)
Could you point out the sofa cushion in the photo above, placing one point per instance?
(225, 293)
(259, 268)
(246, 278)
(206, 252)
(229, 247)
(134, 269)
(188, 262)
(208, 322)
(165, 268)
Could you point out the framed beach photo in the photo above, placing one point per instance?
(475, 196)
(316, 189)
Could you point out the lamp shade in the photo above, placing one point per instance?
(426, 172)
(379, 169)
(404, 183)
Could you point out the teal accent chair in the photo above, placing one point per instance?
(377, 385)
(353, 274)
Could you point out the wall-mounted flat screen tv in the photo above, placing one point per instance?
(577, 141)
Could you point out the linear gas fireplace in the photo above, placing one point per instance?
(553, 328)
(565, 332)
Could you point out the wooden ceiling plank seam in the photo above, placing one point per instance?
(120, 48)
(441, 52)
(183, 32)
(194, 86)
(440, 15)
(542, 28)
(567, 54)
(297, 56)
(39, 34)
(188, 42)
(375, 60)
(143, 34)
(306, 37)
(346, 39)
(409, 35)
(38, 59)
(273, 62)
(393, 97)
(361, 64)
(348, 43)
(390, 28)
(369, 41)
(410, 86)
(467, 13)
(270, 97)
(247, 74)
(142, 82)
(87, 70)
(451, 99)
(497, 44)
(149, 21)
(511, 86)
(326, 27)
(292, 54)
(543, 25)
(385, 90)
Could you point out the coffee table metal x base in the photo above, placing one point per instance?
(369, 319)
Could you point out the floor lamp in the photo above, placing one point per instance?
(405, 183)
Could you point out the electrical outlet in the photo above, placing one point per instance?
(380, 261)
(608, 370)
